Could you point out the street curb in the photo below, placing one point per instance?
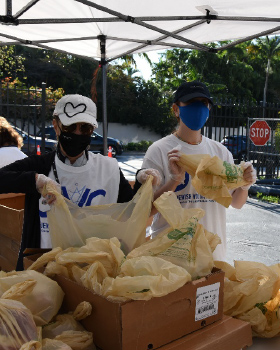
(131, 153)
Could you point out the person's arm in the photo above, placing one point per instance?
(176, 176)
(126, 192)
(239, 198)
(18, 177)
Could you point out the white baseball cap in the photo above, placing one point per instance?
(73, 109)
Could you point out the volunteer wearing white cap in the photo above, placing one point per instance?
(192, 103)
(83, 177)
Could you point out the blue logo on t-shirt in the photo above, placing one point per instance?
(82, 197)
(182, 186)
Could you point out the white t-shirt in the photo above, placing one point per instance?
(10, 154)
(215, 214)
(95, 183)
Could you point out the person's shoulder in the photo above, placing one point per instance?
(46, 158)
(162, 142)
(215, 143)
(219, 148)
(100, 158)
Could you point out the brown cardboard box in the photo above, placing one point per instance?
(13, 200)
(135, 325)
(228, 333)
(11, 221)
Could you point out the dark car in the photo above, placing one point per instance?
(31, 142)
(237, 145)
(96, 144)
(259, 155)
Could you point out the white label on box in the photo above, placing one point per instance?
(207, 300)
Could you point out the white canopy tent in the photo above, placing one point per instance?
(108, 29)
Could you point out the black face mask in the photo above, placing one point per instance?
(73, 144)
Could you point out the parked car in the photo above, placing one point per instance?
(260, 155)
(237, 145)
(31, 142)
(96, 144)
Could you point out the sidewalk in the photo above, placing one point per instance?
(130, 162)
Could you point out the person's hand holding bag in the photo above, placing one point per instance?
(41, 181)
(143, 175)
(250, 174)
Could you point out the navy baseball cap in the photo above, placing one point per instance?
(190, 90)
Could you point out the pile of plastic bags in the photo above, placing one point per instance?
(29, 319)
(251, 293)
(181, 253)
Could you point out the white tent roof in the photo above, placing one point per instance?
(76, 26)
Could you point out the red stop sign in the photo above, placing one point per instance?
(260, 132)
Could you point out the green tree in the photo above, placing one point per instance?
(267, 48)
(231, 73)
(11, 63)
(73, 74)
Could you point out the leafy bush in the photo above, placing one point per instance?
(270, 199)
(141, 146)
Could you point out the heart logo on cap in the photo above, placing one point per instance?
(70, 110)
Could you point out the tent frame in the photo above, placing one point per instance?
(144, 21)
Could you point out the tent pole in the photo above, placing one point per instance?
(103, 64)
(104, 102)
(9, 11)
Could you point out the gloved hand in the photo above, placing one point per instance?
(176, 172)
(41, 181)
(143, 174)
(250, 174)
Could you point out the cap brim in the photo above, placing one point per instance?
(80, 118)
(191, 96)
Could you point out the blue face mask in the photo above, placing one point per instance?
(195, 115)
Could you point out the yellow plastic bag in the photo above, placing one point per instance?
(45, 298)
(16, 325)
(77, 340)
(46, 344)
(35, 345)
(63, 322)
(144, 278)
(251, 293)
(212, 177)
(71, 225)
(185, 242)
(106, 251)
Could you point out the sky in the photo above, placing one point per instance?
(143, 66)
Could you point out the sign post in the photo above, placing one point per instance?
(260, 132)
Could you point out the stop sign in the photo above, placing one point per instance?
(260, 132)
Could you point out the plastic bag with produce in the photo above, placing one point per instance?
(251, 293)
(45, 298)
(185, 242)
(16, 325)
(212, 177)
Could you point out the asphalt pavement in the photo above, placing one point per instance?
(252, 234)
(130, 163)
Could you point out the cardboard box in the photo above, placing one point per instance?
(142, 325)
(228, 333)
(10, 230)
(13, 200)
